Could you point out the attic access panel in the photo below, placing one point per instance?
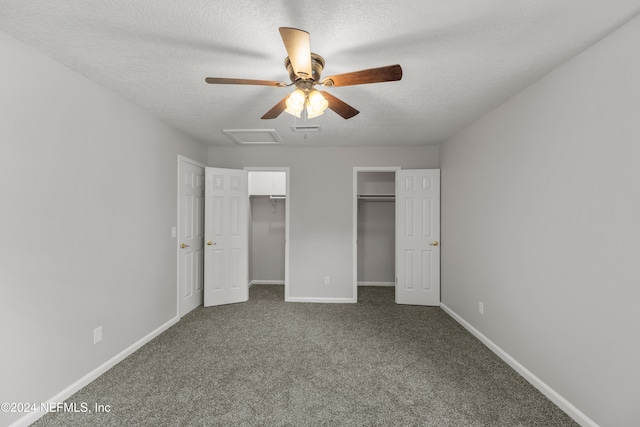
(253, 136)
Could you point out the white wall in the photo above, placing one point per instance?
(88, 188)
(541, 222)
(321, 199)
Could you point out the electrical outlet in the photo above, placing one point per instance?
(481, 307)
(97, 335)
(327, 280)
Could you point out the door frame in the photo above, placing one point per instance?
(356, 170)
(287, 217)
(182, 159)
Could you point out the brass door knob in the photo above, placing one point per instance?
(182, 245)
(210, 243)
(434, 243)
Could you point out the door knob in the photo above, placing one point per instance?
(434, 243)
(210, 243)
(182, 245)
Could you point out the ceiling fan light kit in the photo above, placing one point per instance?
(295, 102)
(305, 70)
(316, 104)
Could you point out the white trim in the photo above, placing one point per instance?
(287, 216)
(193, 162)
(32, 417)
(577, 415)
(181, 158)
(354, 252)
(266, 282)
(376, 284)
(321, 300)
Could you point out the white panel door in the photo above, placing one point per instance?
(418, 237)
(191, 236)
(226, 233)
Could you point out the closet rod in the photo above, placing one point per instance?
(376, 197)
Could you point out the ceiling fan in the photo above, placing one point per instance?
(304, 68)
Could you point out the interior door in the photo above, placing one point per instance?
(226, 236)
(418, 237)
(191, 235)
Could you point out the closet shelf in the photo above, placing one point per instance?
(272, 197)
(377, 197)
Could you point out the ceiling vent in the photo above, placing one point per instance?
(253, 136)
(306, 128)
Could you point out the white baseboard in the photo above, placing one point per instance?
(376, 284)
(32, 417)
(266, 282)
(321, 300)
(577, 415)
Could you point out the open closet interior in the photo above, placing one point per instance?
(267, 220)
(376, 228)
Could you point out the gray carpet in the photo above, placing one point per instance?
(270, 363)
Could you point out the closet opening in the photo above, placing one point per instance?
(268, 227)
(375, 228)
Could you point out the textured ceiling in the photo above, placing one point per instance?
(460, 58)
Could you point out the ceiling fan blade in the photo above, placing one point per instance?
(224, 81)
(342, 108)
(298, 45)
(389, 73)
(276, 110)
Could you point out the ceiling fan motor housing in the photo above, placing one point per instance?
(317, 65)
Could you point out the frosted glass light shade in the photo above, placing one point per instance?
(316, 104)
(295, 102)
